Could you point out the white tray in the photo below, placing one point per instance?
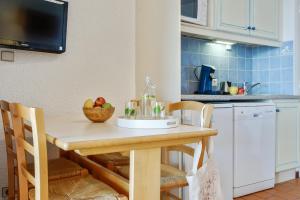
(169, 122)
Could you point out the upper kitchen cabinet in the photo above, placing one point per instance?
(265, 18)
(194, 11)
(255, 22)
(233, 16)
(257, 18)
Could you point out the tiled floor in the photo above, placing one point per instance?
(284, 191)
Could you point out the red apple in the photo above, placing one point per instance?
(99, 102)
(241, 91)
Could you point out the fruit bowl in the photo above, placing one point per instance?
(98, 114)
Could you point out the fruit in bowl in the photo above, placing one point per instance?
(88, 103)
(98, 111)
(99, 102)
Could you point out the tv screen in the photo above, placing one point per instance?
(37, 25)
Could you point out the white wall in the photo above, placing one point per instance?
(288, 20)
(158, 47)
(297, 47)
(99, 61)
(290, 31)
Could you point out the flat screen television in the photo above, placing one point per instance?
(36, 25)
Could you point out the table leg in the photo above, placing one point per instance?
(144, 180)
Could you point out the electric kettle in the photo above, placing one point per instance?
(205, 79)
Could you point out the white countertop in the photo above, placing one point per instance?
(237, 97)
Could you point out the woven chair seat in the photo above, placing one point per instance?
(80, 188)
(61, 168)
(110, 160)
(171, 177)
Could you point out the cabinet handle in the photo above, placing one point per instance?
(253, 28)
(277, 110)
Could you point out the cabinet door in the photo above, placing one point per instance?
(265, 18)
(287, 147)
(233, 15)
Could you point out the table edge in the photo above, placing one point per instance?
(127, 141)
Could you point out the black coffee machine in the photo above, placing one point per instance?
(205, 79)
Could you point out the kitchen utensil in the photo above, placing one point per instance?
(131, 109)
(148, 97)
(158, 110)
(224, 87)
(205, 79)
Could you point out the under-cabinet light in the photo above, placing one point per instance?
(224, 42)
(227, 44)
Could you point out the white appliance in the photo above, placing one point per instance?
(222, 120)
(194, 11)
(254, 147)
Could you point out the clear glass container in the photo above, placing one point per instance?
(147, 99)
(131, 109)
(158, 110)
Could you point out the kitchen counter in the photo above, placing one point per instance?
(237, 97)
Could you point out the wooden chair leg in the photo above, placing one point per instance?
(11, 178)
(163, 196)
(168, 195)
(164, 156)
(165, 160)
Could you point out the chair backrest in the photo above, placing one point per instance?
(8, 131)
(21, 116)
(9, 142)
(206, 111)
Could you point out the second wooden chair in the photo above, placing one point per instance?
(172, 177)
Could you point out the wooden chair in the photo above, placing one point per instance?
(111, 160)
(80, 187)
(58, 168)
(172, 177)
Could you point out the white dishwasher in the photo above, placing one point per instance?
(254, 147)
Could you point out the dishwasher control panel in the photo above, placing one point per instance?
(244, 113)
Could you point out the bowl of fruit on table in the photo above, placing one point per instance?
(99, 110)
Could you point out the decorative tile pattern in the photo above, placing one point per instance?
(272, 67)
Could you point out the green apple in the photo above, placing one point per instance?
(106, 106)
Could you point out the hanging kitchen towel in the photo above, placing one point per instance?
(204, 184)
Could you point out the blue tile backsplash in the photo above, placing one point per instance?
(270, 66)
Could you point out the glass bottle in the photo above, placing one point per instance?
(148, 97)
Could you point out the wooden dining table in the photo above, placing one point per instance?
(75, 133)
